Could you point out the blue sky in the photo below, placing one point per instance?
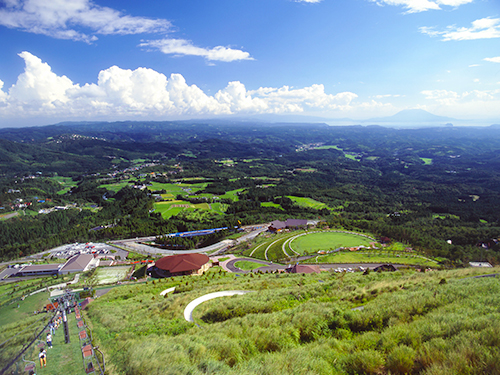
(178, 59)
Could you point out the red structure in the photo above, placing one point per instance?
(181, 264)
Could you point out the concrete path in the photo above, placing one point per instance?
(167, 291)
(57, 286)
(224, 263)
(188, 311)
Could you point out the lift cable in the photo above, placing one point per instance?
(26, 347)
(6, 341)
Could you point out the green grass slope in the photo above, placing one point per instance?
(441, 322)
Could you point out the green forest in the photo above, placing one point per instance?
(436, 189)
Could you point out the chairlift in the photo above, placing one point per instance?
(30, 365)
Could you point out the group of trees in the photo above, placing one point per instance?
(371, 178)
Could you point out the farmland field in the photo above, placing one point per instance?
(307, 202)
(115, 187)
(174, 207)
(314, 242)
(233, 194)
(178, 188)
(65, 182)
(271, 204)
(111, 274)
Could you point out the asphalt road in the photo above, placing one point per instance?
(232, 268)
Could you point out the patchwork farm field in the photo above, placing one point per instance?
(174, 207)
(308, 202)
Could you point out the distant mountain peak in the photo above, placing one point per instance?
(413, 115)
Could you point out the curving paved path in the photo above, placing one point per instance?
(232, 268)
(167, 291)
(188, 311)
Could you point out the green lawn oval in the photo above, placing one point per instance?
(314, 242)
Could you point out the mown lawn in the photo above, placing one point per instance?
(246, 265)
(372, 257)
(316, 241)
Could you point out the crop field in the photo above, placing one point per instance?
(178, 188)
(110, 275)
(307, 202)
(174, 207)
(233, 194)
(65, 182)
(427, 161)
(271, 204)
(115, 187)
(317, 241)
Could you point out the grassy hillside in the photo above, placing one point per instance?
(441, 322)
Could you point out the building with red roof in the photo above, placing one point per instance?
(181, 264)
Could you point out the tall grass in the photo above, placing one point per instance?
(411, 323)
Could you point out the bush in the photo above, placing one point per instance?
(365, 362)
(401, 359)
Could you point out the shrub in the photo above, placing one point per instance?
(401, 359)
(365, 362)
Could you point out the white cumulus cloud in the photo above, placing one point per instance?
(77, 20)
(286, 99)
(452, 98)
(484, 28)
(185, 47)
(416, 6)
(468, 104)
(124, 93)
(493, 59)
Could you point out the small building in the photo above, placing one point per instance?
(480, 264)
(296, 223)
(39, 270)
(79, 263)
(181, 264)
(303, 268)
(277, 225)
